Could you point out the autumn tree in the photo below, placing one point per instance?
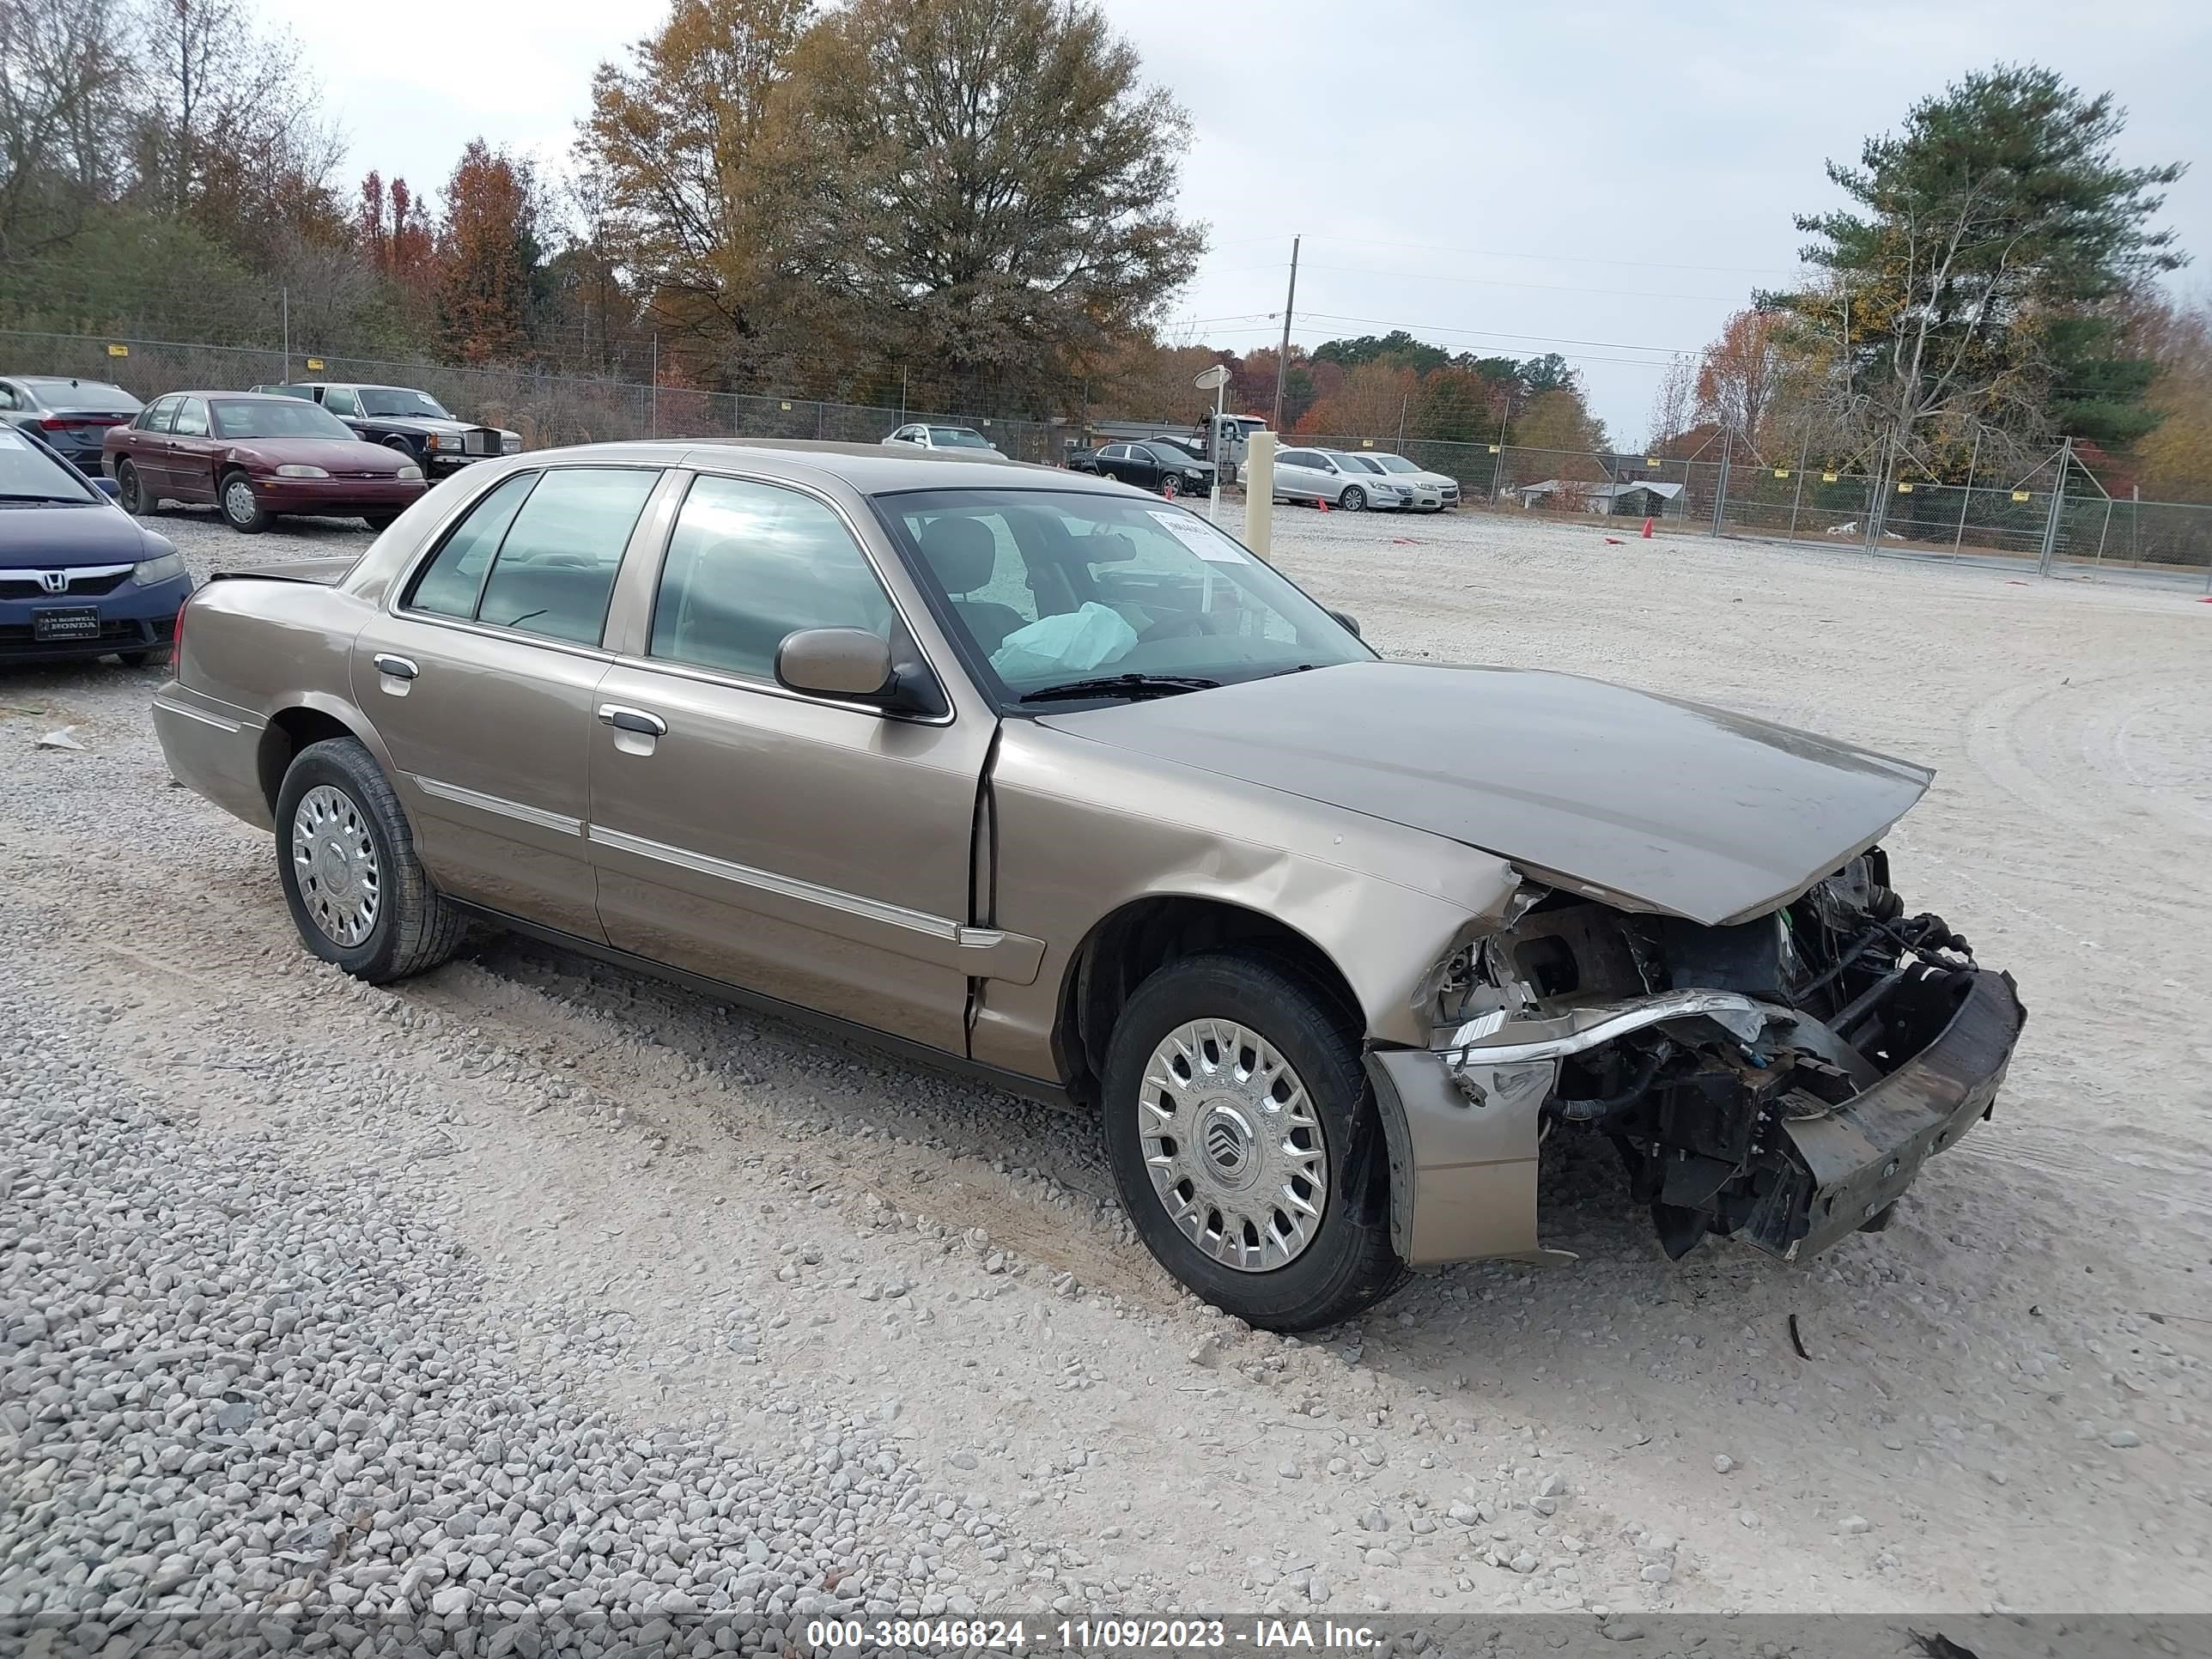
(1674, 403)
(2175, 457)
(1002, 185)
(1740, 378)
(1558, 420)
(489, 255)
(1143, 380)
(705, 187)
(1456, 404)
(1374, 402)
(1962, 288)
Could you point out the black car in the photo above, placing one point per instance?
(1160, 466)
(71, 416)
(399, 418)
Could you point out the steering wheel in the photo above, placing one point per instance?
(1178, 625)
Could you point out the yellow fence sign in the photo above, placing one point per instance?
(119, 351)
(1493, 449)
(314, 363)
(1903, 488)
(787, 403)
(1827, 477)
(2019, 495)
(1781, 472)
(1649, 460)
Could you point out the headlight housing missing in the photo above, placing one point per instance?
(161, 568)
(293, 470)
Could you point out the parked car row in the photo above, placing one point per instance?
(1354, 480)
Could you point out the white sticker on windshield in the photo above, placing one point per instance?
(1199, 536)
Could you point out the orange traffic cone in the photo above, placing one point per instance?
(1647, 530)
(1322, 505)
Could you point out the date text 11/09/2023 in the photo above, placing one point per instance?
(1255, 1636)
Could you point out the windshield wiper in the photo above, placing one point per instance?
(58, 500)
(1122, 685)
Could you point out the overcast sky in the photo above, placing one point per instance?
(1600, 179)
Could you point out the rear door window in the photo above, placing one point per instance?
(450, 584)
(158, 414)
(191, 418)
(556, 567)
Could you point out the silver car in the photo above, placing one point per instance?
(1331, 477)
(1402, 471)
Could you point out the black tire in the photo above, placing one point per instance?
(242, 508)
(1349, 1264)
(1354, 499)
(415, 929)
(157, 657)
(1171, 486)
(131, 491)
(396, 442)
(379, 522)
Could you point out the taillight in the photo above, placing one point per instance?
(177, 639)
(55, 423)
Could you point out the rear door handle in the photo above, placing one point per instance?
(633, 720)
(398, 667)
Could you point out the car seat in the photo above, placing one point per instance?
(964, 554)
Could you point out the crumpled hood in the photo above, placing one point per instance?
(1649, 802)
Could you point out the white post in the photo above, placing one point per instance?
(1213, 502)
(1259, 491)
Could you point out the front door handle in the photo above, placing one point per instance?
(633, 720)
(400, 668)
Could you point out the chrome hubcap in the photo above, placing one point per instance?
(334, 858)
(1233, 1145)
(238, 498)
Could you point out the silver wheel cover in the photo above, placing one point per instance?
(334, 860)
(1233, 1145)
(238, 500)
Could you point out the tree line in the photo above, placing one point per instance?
(969, 204)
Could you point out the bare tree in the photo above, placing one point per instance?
(65, 84)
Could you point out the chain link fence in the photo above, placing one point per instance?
(547, 408)
(2168, 541)
(1804, 504)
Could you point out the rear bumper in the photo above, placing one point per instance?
(133, 618)
(338, 497)
(214, 749)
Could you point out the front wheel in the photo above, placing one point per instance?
(1354, 499)
(346, 857)
(379, 522)
(1247, 1150)
(1171, 486)
(241, 510)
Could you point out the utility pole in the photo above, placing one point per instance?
(284, 307)
(1283, 358)
(1402, 402)
(1974, 461)
(655, 416)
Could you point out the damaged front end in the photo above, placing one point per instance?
(1781, 1080)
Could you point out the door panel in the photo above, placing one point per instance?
(813, 853)
(489, 737)
(188, 471)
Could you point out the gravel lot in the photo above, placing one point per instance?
(530, 1287)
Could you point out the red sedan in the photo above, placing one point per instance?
(255, 457)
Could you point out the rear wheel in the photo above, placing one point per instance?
(241, 509)
(155, 659)
(1245, 1145)
(131, 491)
(1354, 499)
(357, 893)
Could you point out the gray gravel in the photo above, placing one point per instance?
(234, 1388)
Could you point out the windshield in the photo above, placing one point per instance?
(957, 437)
(1393, 463)
(1052, 586)
(28, 473)
(278, 418)
(397, 400)
(1357, 464)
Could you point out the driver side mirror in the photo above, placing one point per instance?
(854, 663)
(1349, 622)
(107, 486)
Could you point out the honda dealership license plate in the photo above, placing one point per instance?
(82, 624)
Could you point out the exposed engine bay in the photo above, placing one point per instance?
(1781, 1080)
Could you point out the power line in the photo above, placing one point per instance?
(1540, 288)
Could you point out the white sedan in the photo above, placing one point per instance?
(964, 439)
(1404, 472)
(1338, 478)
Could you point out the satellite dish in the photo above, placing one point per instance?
(1218, 375)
